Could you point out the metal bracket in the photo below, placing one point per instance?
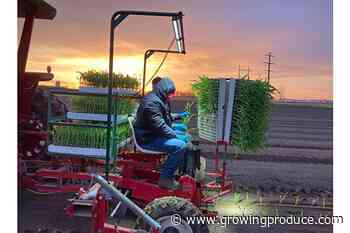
(117, 21)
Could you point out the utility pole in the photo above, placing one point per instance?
(239, 71)
(269, 63)
(244, 75)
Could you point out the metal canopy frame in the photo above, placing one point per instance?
(116, 19)
(147, 55)
(37, 8)
(30, 10)
(28, 81)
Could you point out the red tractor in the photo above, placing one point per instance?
(31, 137)
(32, 101)
(130, 175)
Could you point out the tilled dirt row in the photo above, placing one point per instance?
(278, 177)
(296, 132)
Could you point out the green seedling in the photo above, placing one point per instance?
(188, 108)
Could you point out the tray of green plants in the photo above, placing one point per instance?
(206, 91)
(87, 137)
(99, 105)
(99, 79)
(253, 99)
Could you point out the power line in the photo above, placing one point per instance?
(269, 63)
(240, 71)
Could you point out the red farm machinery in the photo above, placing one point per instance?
(99, 175)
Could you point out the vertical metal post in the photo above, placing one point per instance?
(183, 33)
(49, 110)
(223, 178)
(148, 54)
(110, 98)
(217, 157)
(144, 73)
(114, 135)
(22, 57)
(229, 109)
(24, 44)
(99, 214)
(220, 123)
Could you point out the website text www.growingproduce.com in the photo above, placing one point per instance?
(262, 221)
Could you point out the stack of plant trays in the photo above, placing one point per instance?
(237, 113)
(84, 134)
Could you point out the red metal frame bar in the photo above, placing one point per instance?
(99, 218)
(23, 49)
(144, 170)
(218, 172)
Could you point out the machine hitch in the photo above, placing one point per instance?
(126, 201)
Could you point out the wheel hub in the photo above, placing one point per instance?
(169, 227)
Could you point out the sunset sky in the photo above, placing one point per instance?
(219, 35)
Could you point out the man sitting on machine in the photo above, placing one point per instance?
(178, 127)
(153, 130)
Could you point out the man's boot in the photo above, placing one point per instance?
(167, 183)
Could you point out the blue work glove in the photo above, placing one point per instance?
(184, 137)
(179, 127)
(180, 132)
(184, 114)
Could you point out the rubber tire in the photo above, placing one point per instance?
(167, 206)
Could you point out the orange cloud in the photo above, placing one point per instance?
(219, 37)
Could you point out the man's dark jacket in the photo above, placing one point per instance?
(153, 117)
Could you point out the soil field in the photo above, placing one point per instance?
(297, 133)
(46, 212)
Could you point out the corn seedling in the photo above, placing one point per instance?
(188, 108)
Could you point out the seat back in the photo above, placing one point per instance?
(138, 147)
